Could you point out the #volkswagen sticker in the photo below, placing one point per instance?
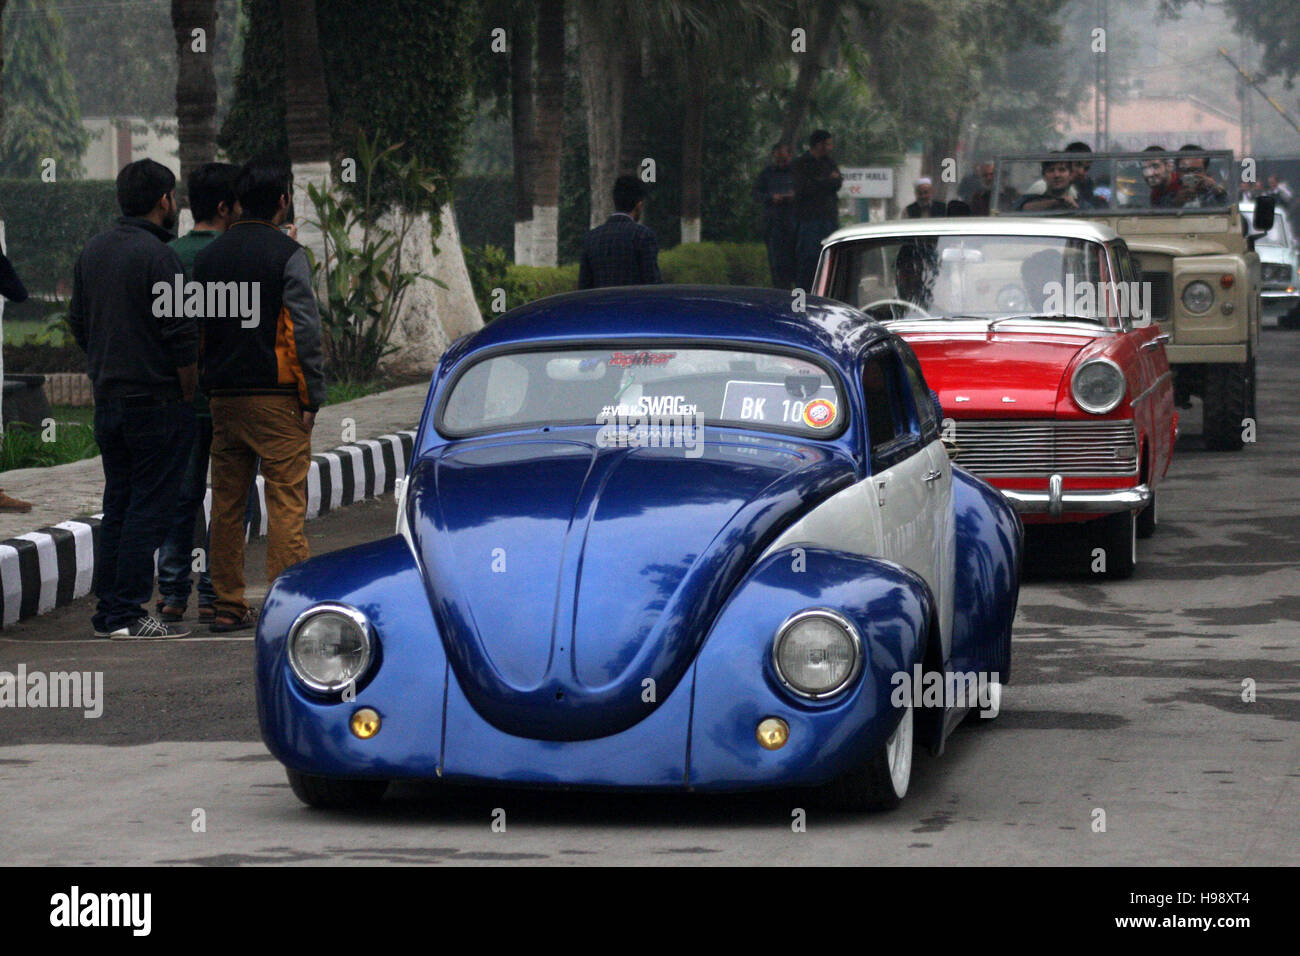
(819, 413)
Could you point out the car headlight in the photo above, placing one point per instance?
(1198, 296)
(329, 646)
(1098, 386)
(1275, 272)
(817, 652)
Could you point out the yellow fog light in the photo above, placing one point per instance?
(365, 723)
(772, 733)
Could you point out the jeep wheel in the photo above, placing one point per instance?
(1227, 401)
(331, 793)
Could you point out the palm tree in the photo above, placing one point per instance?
(523, 128)
(601, 68)
(549, 132)
(196, 83)
(306, 97)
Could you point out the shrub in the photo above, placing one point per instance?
(490, 270)
(697, 263)
(25, 447)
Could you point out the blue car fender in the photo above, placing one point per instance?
(736, 684)
(405, 682)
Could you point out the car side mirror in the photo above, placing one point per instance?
(951, 448)
(1265, 213)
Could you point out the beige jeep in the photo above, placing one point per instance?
(1177, 213)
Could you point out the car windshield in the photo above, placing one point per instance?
(1092, 184)
(972, 276)
(644, 385)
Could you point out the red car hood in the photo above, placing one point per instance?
(1005, 375)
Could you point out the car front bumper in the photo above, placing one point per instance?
(1055, 501)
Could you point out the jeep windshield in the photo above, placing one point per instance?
(972, 276)
(644, 385)
(1105, 184)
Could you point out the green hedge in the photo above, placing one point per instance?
(702, 263)
(47, 224)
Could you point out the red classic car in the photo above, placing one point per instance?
(1037, 338)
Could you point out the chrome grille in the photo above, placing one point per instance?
(1014, 448)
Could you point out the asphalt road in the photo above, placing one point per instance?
(1127, 699)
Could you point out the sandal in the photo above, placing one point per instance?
(225, 623)
(206, 613)
(170, 613)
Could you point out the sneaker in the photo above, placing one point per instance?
(148, 629)
(14, 505)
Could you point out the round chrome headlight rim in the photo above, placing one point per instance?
(342, 610)
(1197, 284)
(1098, 409)
(836, 618)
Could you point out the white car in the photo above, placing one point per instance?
(1279, 267)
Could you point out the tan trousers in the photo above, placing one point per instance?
(245, 428)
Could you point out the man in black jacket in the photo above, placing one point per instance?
(11, 288)
(774, 192)
(142, 352)
(622, 251)
(817, 182)
(263, 368)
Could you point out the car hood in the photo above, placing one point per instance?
(572, 584)
(1004, 375)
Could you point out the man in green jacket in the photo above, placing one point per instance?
(212, 200)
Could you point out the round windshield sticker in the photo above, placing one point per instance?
(819, 413)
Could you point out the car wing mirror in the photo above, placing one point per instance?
(951, 448)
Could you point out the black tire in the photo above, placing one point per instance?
(1228, 399)
(1118, 539)
(331, 793)
(873, 786)
(1147, 519)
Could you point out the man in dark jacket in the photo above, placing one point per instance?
(926, 206)
(142, 352)
(774, 192)
(11, 288)
(622, 251)
(817, 182)
(263, 371)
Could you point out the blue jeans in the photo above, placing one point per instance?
(808, 247)
(175, 555)
(143, 443)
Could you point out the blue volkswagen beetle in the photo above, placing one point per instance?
(654, 538)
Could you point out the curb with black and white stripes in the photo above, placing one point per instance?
(54, 566)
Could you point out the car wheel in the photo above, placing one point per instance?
(1227, 401)
(1118, 541)
(881, 783)
(1147, 519)
(331, 793)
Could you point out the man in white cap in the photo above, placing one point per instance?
(925, 207)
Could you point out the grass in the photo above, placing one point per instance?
(346, 391)
(70, 438)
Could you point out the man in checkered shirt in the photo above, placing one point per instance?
(622, 251)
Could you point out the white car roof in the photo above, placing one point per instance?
(978, 226)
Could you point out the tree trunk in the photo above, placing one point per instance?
(196, 83)
(306, 111)
(306, 98)
(549, 131)
(523, 136)
(600, 65)
(2, 66)
(694, 75)
(633, 148)
(811, 62)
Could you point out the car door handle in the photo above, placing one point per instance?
(1158, 341)
(932, 475)
(880, 491)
